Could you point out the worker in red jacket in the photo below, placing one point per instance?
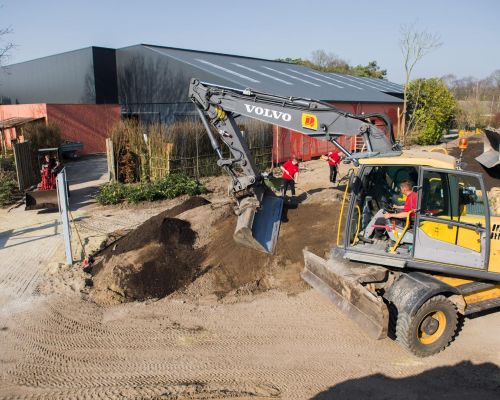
(290, 175)
(333, 163)
(382, 218)
(410, 202)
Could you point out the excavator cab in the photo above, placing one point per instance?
(449, 225)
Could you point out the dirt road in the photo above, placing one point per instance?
(270, 345)
(245, 345)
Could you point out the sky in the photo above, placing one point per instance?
(358, 31)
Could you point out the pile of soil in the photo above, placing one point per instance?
(232, 268)
(189, 250)
(151, 261)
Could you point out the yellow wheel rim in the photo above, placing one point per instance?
(431, 327)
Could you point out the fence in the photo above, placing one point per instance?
(26, 166)
(159, 166)
(206, 165)
(160, 160)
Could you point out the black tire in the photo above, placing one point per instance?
(430, 330)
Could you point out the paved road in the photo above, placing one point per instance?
(29, 240)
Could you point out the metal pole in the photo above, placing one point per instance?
(62, 196)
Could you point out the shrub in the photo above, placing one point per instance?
(431, 109)
(8, 187)
(166, 188)
(42, 136)
(111, 193)
(7, 163)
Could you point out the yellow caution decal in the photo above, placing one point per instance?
(309, 121)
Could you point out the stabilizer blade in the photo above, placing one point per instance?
(341, 284)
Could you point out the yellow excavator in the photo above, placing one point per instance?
(412, 279)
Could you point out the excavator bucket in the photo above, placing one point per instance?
(341, 283)
(258, 227)
(491, 155)
(40, 199)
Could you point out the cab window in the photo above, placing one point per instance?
(454, 197)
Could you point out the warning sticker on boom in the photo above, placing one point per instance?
(309, 121)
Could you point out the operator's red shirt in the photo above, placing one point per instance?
(334, 156)
(411, 203)
(291, 169)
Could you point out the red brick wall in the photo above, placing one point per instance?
(86, 123)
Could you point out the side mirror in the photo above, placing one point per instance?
(355, 184)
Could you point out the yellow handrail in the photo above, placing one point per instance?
(355, 240)
(407, 225)
(342, 213)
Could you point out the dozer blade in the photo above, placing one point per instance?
(491, 155)
(341, 284)
(40, 199)
(258, 228)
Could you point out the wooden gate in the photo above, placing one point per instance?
(28, 173)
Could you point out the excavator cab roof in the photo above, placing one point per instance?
(412, 157)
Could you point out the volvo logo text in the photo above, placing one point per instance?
(266, 112)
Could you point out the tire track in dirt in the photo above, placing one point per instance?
(294, 346)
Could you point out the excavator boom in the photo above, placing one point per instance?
(259, 210)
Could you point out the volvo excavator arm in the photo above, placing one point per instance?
(259, 210)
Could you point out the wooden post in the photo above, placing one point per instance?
(168, 148)
(110, 156)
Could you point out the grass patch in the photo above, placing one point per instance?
(166, 188)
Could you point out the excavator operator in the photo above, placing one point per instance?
(382, 217)
(410, 202)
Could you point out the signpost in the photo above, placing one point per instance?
(62, 197)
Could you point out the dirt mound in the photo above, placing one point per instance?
(151, 229)
(231, 268)
(189, 250)
(151, 261)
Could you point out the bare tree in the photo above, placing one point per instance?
(328, 61)
(414, 45)
(5, 45)
(495, 78)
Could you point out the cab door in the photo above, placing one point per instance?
(452, 224)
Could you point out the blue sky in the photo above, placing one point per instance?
(357, 31)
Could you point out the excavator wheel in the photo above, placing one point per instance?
(431, 329)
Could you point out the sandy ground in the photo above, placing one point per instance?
(276, 343)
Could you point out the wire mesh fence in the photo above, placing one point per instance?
(151, 152)
(206, 165)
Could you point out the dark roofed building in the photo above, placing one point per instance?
(81, 76)
(159, 76)
(151, 82)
